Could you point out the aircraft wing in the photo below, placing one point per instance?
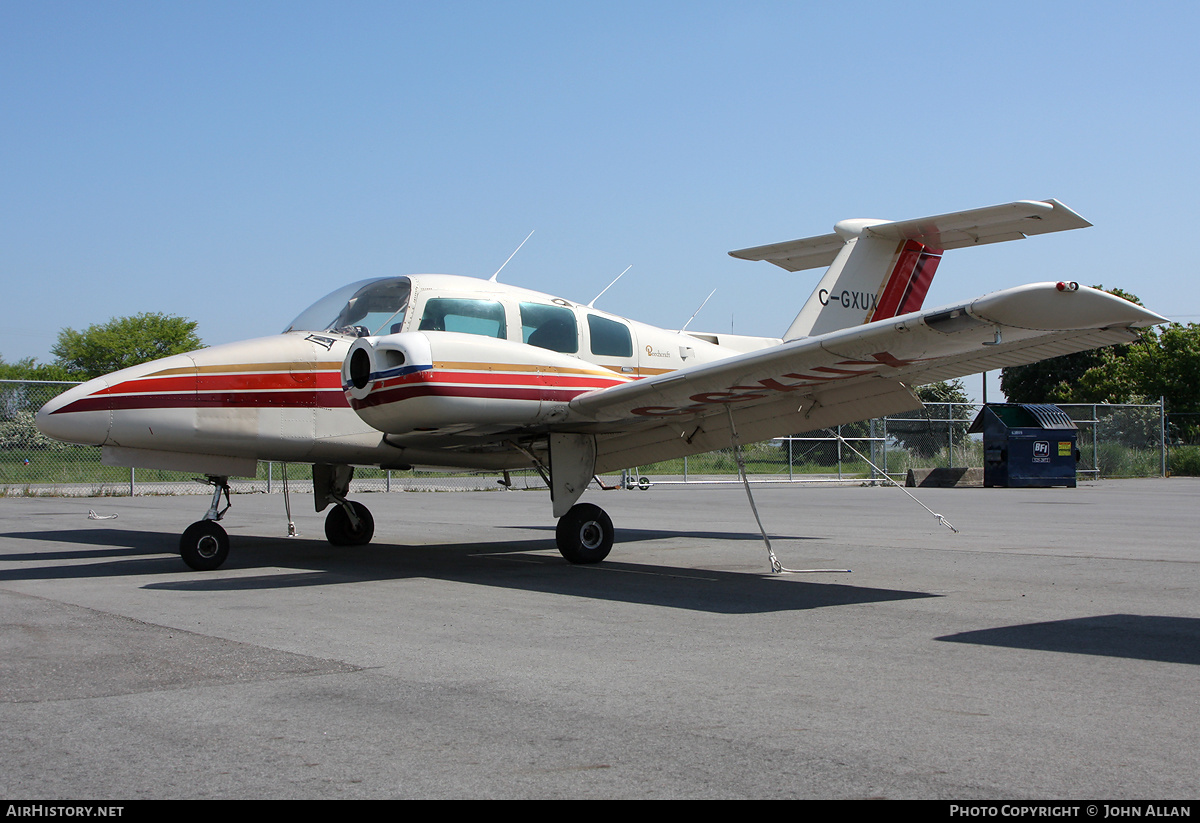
(848, 375)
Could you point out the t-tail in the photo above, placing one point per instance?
(880, 269)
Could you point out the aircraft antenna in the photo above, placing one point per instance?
(609, 286)
(697, 311)
(492, 279)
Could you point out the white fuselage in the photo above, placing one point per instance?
(477, 358)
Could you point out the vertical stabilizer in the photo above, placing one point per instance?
(871, 278)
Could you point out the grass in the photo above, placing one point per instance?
(28, 471)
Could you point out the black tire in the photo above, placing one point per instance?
(204, 545)
(584, 534)
(339, 532)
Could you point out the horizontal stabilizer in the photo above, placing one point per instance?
(975, 227)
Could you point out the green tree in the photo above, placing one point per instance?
(1166, 364)
(30, 369)
(21, 397)
(1057, 380)
(124, 342)
(946, 400)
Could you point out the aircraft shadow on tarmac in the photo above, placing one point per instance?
(1135, 636)
(528, 565)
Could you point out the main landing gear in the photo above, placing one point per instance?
(584, 534)
(204, 545)
(349, 523)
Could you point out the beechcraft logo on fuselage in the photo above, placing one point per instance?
(849, 299)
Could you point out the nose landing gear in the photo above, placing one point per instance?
(205, 544)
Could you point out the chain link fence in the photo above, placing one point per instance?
(1114, 441)
(1183, 443)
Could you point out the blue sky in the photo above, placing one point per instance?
(232, 162)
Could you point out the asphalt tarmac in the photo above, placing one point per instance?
(1048, 650)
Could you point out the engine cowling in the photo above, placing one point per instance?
(438, 381)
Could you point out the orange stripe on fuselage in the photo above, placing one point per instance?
(153, 384)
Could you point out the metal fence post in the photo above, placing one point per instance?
(949, 438)
(839, 445)
(885, 448)
(1162, 431)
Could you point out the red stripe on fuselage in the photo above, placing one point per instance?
(502, 378)
(299, 389)
(227, 382)
(232, 400)
(399, 393)
(489, 385)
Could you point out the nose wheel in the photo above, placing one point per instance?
(584, 534)
(204, 544)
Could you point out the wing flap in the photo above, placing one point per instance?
(1019, 354)
(710, 431)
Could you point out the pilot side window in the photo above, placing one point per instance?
(549, 327)
(483, 317)
(609, 338)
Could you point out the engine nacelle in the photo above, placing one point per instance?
(447, 381)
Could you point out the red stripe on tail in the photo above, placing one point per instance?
(909, 281)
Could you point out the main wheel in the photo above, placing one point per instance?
(340, 532)
(584, 534)
(204, 545)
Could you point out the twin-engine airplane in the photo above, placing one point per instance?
(455, 372)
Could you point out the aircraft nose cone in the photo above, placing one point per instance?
(79, 415)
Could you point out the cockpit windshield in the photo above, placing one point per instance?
(368, 307)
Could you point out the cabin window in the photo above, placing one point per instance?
(549, 327)
(609, 338)
(483, 317)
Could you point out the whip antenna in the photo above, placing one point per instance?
(609, 286)
(697, 311)
(492, 279)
